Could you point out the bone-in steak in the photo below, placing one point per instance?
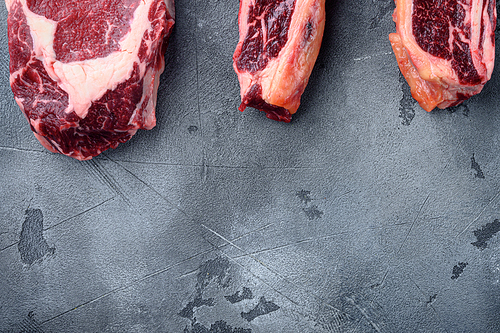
(278, 46)
(444, 48)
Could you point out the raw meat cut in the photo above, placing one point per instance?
(85, 72)
(278, 46)
(445, 48)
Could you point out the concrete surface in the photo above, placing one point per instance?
(364, 214)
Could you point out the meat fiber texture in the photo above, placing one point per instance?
(278, 46)
(85, 73)
(445, 49)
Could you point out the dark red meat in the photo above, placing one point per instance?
(86, 72)
(278, 46)
(445, 49)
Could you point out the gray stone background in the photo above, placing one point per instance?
(364, 214)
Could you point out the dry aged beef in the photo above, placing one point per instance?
(278, 46)
(445, 48)
(85, 72)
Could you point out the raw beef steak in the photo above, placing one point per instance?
(278, 46)
(85, 72)
(445, 48)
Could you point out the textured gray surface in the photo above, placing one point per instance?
(358, 216)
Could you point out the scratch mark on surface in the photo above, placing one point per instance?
(480, 213)
(106, 178)
(343, 194)
(313, 239)
(432, 299)
(157, 163)
(402, 223)
(242, 167)
(381, 283)
(8, 246)
(279, 275)
(188, 274)
(126, 286)
(160, 271)
(368, 57)
(363, 312)
(65, 220)
(218, 247)
(204, 169)
(149, 186)
(413, 223)
(255, 276)
(430, 303)
(277, 247)
(263, 167)
(241, 249)
(358, 323)
(25, 150)
(253, 231)
(377, 303)
(448, 162)
(79, 214)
